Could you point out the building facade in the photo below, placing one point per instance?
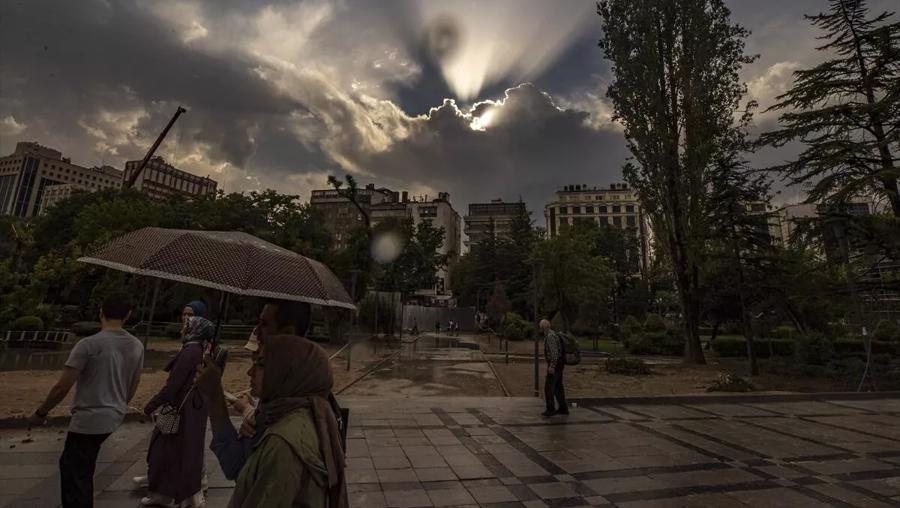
(490, 219)
(438, 212)
(341, 216)
(29, 173)
(160, 180)
(616, 205)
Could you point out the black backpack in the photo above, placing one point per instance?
(571, 351)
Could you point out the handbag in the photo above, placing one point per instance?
(167, 418)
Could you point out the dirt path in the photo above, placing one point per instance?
(22, 391)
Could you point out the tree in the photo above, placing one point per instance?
(570, 275)
(498, 306)
(846, 110)
(675, 91)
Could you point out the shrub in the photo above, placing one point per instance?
(85, 328)
(887, 331)
(627, 366)
(631, 326)
(655, 323)
(655, 343)
(515, 328)
(731, 383)
(815, 349)
(173, 330)
(28, 324)
(857, 347)
(736, 347)
(784, 332)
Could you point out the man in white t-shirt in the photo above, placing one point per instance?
(105, 369)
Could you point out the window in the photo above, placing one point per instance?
(576, 210)
(563, 210)
(631, 221)
(617, 221)
(589, 210)
(601, 209)
(629, 208)
(617, 209)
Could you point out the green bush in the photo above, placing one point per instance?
(85, 328)
(736, 347)
(887, 331)
(856, 347)
(655, 323)
(627, 366)
(631, 326)
(815, 349)
(655, 343)
(515, 328)
(28, 324)
(173, 330)
(784, 332)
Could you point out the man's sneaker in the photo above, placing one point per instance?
(141, 481)
(548, 414)
(154, 499)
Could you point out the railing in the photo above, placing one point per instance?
(37, 337)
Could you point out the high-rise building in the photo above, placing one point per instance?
(341, 215)
(160, 180)
(616, 205)
(28, 174)
(487, 219)
(440, 214)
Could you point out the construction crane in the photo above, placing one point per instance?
(162, 135)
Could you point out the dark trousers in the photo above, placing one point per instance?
(76, 469)
(553, 388)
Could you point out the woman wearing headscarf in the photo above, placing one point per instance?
(175, 461)
(298, 461)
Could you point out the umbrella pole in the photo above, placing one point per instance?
(152, 311)
(222, 299)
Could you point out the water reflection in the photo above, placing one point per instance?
(37, 359)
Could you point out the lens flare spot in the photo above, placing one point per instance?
(386, 247)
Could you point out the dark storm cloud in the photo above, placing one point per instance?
(90, 55)
(528, 149)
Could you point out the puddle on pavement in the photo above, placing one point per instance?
(41, 359)
(435, 366)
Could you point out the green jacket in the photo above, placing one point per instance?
(286, 468)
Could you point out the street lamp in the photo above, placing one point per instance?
(535, 265)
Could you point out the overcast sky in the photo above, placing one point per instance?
(481, 99)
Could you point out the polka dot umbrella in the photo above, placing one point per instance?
(230, 261)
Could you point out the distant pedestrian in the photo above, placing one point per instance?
(175, 460)
(553, 382)
(105, 369)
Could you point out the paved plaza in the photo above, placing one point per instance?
(498, 452)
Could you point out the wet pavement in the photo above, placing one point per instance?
(482, 451)
(429, 366)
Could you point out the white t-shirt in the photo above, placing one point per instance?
(108, 363)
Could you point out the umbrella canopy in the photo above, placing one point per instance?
(229, 261)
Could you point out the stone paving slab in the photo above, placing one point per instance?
(498, 452)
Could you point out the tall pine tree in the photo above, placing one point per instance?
(846, 110)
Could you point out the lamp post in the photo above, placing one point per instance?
(535, 264)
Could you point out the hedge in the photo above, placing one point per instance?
(729, 347)
(28, 324)
(85, 328)
(655, 343)
(737, 347)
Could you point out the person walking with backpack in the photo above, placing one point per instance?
(105, 369)
(555, 355)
